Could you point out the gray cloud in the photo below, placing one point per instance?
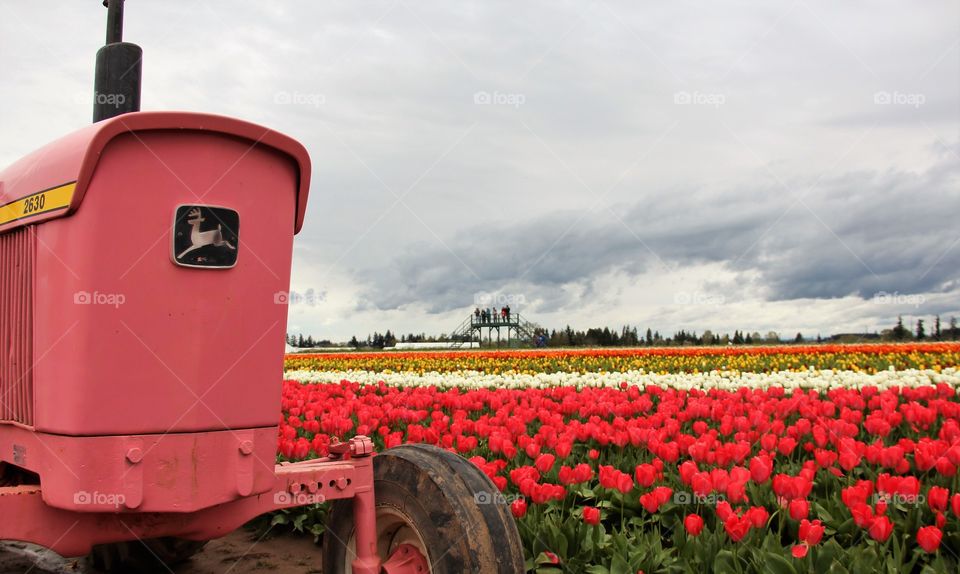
(856, 234)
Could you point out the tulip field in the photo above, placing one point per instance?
(788, 459)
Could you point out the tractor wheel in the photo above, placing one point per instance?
(434, 503)
(153, 555)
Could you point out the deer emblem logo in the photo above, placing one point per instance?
(190, 237)
(203, 238)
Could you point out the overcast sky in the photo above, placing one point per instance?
(788, 166)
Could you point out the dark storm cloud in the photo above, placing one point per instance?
(857, 234)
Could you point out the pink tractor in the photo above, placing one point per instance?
(143, 262)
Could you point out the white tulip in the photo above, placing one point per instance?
(808, 379)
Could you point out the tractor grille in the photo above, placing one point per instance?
(18, 251)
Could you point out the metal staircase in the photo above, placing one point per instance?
(471, 330)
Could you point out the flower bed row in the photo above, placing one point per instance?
(623, 478)
(763, 359)
(804, 378)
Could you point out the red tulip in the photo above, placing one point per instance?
(758, 516)
(591, 515)
(929, 537)
(650, 502)
(786, 446)
(701, 484)
(645, 474)
(582, 472)
(799, 509)
(663, 493)
(862, 515)
(799, 551)
(624, 483)
(881, 528)
(937, 498)
(849, 460)
(519, 507)
(737, 492)
(811, 532)
(945, 467)
(687, 470)
(760, 468)
(736, 527)
(724, 510)
(608, 477)
(532, 449)
(544, 463)
(693, 524)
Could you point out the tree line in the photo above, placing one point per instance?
(631, 336)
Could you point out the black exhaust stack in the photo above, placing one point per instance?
(116, 88)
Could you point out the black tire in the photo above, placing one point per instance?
(153, 555)
(454, 510)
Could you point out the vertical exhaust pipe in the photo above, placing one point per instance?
(116, 87)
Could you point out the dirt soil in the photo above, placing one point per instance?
(237, 553)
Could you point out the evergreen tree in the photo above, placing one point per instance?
(921, 333)
(936, 328)
(899, 331)
(798, 339)
(953, 328)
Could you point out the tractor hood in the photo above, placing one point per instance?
(51, 181)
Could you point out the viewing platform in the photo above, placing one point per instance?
(499, 330)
